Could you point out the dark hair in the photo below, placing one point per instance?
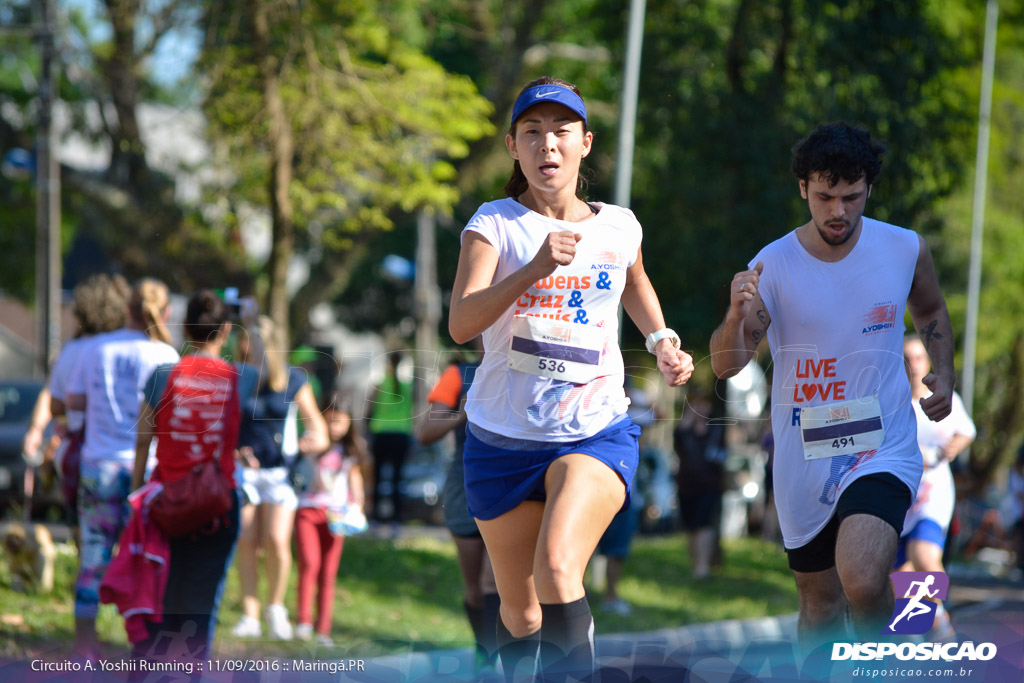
(101, 304)
(517, 183)
(838, 151)
(205, 315)
(353, 441)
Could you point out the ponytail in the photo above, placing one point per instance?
(148, 303)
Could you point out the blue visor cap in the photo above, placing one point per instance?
(539, 94)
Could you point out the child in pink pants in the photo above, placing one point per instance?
(335, 482)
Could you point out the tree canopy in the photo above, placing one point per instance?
(338, 122)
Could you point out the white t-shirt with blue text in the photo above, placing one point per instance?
(112, 373)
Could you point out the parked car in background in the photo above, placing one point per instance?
(17, 399)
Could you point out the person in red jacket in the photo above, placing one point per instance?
(193, 410)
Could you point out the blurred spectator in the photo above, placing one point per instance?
(927, 521)
(390, 414)
(305, 358)
(101, 305)
(447, 413)
(700, 445)
(617, 539)
(212, 389)
(107, 385)
(766, 440)
(268, 443)
(334, 483)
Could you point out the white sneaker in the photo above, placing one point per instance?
(247, 627)
(304, 631)
(277, 621)
(324, 640)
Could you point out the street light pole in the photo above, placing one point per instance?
(978, 219)
(428, 308)
(630, 91)
(47, 198)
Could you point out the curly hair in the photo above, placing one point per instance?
(838, 151)
(101, 304)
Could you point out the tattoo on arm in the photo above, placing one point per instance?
(928, 333)
(757, 334)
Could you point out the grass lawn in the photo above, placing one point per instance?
(395, 595)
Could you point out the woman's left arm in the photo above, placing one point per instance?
(144, 436)
(314, 438)
(355, 485)
(641, 303)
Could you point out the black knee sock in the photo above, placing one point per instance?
(476, 620)
(567, 637)
(487, 639)
(481, 620)
(513, 651)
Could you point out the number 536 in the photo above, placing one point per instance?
(554, 365)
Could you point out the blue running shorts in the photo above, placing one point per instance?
(925, 530)
(499, 479)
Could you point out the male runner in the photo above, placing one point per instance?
(831, 297)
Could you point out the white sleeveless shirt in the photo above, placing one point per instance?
(936, 496)
(836, 334)
(586, 292)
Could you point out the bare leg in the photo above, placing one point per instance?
(276, 524)
(614, 574)
(925, 556)
(584, 495)
(702, 546)
(511, 541)
(822, 608)
(865, 548)
(471, 554)
(248, 576)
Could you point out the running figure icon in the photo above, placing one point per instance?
(915, 607)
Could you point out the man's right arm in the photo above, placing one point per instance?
(734, 342)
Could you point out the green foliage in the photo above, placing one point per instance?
(729, 87)
(376, 123)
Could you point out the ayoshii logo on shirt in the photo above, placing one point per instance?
(879, 318)
(608, 260)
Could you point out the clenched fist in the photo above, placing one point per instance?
(558, 249)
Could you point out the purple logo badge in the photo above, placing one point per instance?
(916, 596)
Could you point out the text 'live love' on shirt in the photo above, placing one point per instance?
(836, 335)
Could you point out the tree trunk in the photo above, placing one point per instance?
(128, 166)
(280, 176)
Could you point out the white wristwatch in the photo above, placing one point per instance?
(664, 333)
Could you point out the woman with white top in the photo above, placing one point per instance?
(550, 452)
(107, 386)
(924, 529)
(101, 304)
